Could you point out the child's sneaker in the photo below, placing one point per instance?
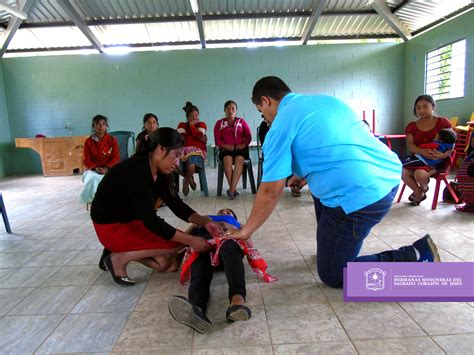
(186, 313)
(238, 312)
(427, 249)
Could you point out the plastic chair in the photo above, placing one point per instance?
(123, 138)
(202, 181)
(247, 170)
(4, 215)
(438, 177)
(454, 121)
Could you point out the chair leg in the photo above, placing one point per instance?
(436, 194)
(244, 175)
(220, 177)
(401, 193)
(4, 215)
(252, 179)
(203, 182)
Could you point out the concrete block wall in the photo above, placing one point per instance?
(46, 94)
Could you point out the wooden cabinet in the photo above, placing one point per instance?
(59, 156)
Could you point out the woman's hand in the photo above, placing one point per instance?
(214, 229)
(199, 244)
(241, 146)
(431, 154)
(228, 147)
(239, 234)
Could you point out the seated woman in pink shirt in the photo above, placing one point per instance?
(232, 137)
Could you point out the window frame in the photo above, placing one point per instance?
(438, 78)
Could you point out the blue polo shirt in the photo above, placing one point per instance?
(321, 139)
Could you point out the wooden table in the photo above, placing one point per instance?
(60, 156)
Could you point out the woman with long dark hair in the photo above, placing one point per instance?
(124, 216)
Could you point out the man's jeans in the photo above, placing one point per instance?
(340, 236)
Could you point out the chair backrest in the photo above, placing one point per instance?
(454, 121)
(123, 138)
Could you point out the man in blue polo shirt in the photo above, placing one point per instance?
(353, 177)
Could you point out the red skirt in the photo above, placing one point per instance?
(133, 236)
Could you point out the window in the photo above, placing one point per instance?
(445, 67)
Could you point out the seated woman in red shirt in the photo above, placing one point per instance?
(424, 130)
(124, 216)
(194, 151)
(232, 136)
(101, 152)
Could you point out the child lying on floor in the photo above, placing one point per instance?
(228, 255)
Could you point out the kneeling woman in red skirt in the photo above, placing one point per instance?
(124, 216)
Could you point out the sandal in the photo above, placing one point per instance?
(412, 196)
(417, 203)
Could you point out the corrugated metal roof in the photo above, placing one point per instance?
(151, 22)
(31, 38)
(362, 25)
(166, 32)
(250, 29)
(418, 14)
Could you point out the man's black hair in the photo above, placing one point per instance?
(270, 86)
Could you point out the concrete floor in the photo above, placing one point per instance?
(54, 298)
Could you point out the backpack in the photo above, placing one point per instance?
(447, 195)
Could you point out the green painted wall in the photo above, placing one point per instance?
(5, 137)
(415, 50)
(45, 93)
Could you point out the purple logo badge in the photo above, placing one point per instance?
(408, 282)
(375, 279)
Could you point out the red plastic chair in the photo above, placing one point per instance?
(438, 177)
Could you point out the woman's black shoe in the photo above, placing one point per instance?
(238, 312)
(121, 280)
(102, 265)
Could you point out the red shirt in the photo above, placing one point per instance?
(192, 134)
(420, 137)
(104, 152)
(236, 134)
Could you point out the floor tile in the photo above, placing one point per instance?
(153, 331)
(459, 344)
(9, 297)
(24, 334)
(369, 320)
(50, 300)
(115, 298)
(27, 277)
(416, 345)
(432, 317)
(9, 260)
(74, 275)
(337, 348)
(225, 334)
(91, 332)
(50, 258)
(304, 323)
(238, 350)
(292, 292)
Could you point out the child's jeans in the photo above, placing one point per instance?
(201, 274)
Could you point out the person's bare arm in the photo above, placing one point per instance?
(267, 197)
